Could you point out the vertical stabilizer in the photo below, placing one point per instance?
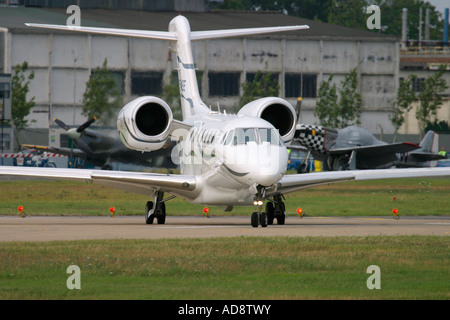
(430, 143)
(191, 103)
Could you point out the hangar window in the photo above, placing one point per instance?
(224, 83)
(417, 84)
(144, 83)
(294, 87)
(119, 78)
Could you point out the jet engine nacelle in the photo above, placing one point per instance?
(277, 111)
(144, 124)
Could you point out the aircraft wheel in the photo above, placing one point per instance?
(254, 219)
(161, 213)
(303, 168)
(270, 213)
(336, 164)
(149, 218)
(281, 220)
(264, 219)
(282, 216)
(328, 164)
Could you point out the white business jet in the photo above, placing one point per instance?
(225, 160)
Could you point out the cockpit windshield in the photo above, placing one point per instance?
(242, 136)
(269, 135)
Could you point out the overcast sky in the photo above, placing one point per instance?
(440, 5)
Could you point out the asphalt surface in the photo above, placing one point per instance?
(31, 228)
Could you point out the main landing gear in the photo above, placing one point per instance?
(156, 208)
(275, 209)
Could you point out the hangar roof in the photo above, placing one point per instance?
(14, 18)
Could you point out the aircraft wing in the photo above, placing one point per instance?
(138, 182)
(294, 182)
(64, 151)
(377, 150)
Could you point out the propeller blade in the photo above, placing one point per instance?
(86, 125)
(298, 108)
(61, 124)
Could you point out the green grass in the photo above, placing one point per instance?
(365, 198)
(412, 267)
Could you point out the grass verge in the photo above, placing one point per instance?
(412, 267)
(363, 198)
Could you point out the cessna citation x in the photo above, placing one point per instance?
(225, 160)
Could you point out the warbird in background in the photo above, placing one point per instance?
(225, 160)
(356, 148)
(104, 150)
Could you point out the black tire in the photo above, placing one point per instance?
(254, 219)
(270, 213)
(281, 220)
(161, 213)
(149, 218)
(281, 217)
(303, 168)
(264, 219)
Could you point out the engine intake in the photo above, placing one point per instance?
(276, 111)
(144, 124)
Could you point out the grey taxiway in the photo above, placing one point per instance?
(51, 228)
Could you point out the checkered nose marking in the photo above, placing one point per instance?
(312, 137)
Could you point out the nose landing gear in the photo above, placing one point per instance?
(259, 217)
(274, 210)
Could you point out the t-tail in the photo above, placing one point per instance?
(191, 103)
(180, 32)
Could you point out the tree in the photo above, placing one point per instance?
(403, 103)
(350, 102)
(20, 105)
(438, 126)
(315, 10)
(339, 109)
(102, 97)
(327, 104)
(430, 98)
(348, 13)
(262, 85)
(171, 95)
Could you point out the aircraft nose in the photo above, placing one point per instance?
(271, 166)
(261, 165)
(72, 133)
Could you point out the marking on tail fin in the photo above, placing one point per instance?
(186, 65)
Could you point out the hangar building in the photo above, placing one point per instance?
(63, 61)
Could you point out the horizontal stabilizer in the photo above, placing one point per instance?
(426, 156)
(165, 35)
(161, 35)
(227, 33)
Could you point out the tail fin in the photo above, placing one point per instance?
(430, 143)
